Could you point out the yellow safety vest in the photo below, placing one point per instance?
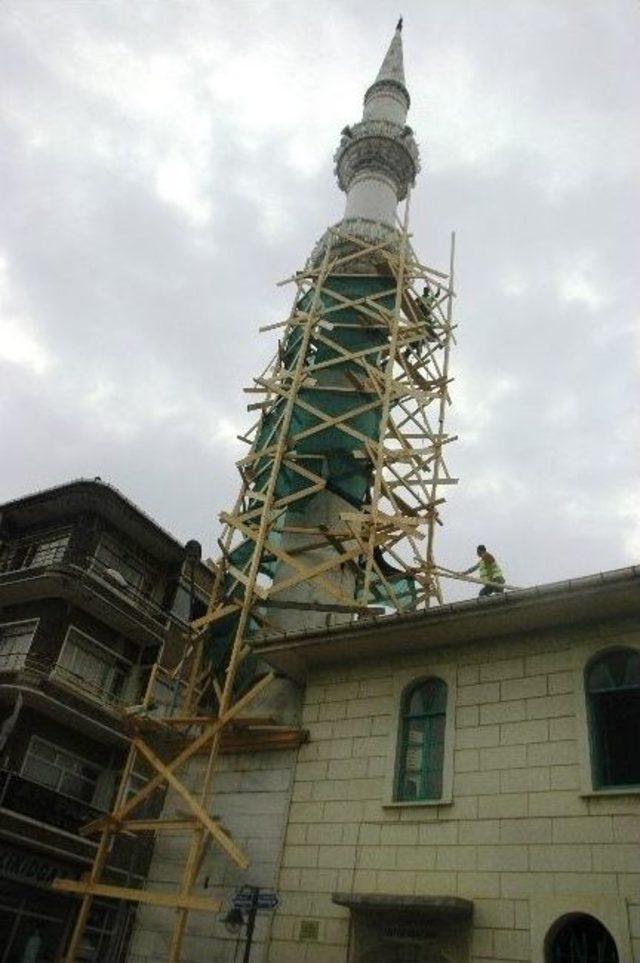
(490, 571)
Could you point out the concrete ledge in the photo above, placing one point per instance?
(419, 907)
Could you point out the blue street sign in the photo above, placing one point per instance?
(265, 900)
(268, 901)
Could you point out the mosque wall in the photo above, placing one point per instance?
(518, 829)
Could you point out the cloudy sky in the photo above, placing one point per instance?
(164, 164)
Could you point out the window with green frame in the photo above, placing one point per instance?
(421, 748)
(613, 699)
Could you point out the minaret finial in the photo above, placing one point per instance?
(399, 24)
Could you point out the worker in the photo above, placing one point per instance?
(427, 302)
(429, 298)
(488, 570)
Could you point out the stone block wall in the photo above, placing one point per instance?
(522, 837)
(251, 798)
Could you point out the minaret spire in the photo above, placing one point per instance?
(377, 159)
(393, 66)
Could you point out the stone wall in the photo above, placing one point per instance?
(523, 836)
(252, 796)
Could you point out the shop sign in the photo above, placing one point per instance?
(35, 870)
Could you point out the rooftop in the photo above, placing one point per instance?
(85, 494)
(606, 595)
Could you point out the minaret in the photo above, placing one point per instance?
(339, 487)
(375, 164)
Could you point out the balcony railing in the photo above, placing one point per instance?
(44, 668)
(101, 578)
(36, 801)
(25, 797)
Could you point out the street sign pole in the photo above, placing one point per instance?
(250, 899)
(251, 921)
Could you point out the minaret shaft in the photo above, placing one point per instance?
(372, 197)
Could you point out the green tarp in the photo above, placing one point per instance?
(339, 457)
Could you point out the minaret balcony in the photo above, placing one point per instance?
(378, 147)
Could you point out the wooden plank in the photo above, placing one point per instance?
(157, 825)
(153, 784)
(150, 897)
(242, 722)
(313, 606)
(99, 862)
(213, 616)
(188, 720)
(189, 874)
(460, 577)
(218, 834)
(239, 746)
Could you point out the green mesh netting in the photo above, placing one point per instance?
(339, 457)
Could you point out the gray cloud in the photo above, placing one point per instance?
(164, 165)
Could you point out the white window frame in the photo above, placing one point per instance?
(118, 662)
(36, 542)
(51, 542)
(402, 681)
(65, 752)
(19, 657)
(584, 655)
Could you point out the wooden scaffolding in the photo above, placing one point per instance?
(353, 403)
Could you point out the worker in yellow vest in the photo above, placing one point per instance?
(488, 570)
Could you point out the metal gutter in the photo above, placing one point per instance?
(458, 608)
(602, 595)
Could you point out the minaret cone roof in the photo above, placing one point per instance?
(393, 65)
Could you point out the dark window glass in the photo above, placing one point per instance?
(422, 741)
(581, 939)
(613, 695)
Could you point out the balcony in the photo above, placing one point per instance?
(36, 801)
(39, 669)
(26, 570)
(23, 797)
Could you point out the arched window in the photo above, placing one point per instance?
(613, 696)
(421, 755)
(580, 938)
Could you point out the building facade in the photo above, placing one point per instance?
(253, 791)
(90, 589)
(471, 787)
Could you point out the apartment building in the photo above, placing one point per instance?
(90, 589)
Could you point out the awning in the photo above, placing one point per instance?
(434, 908)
